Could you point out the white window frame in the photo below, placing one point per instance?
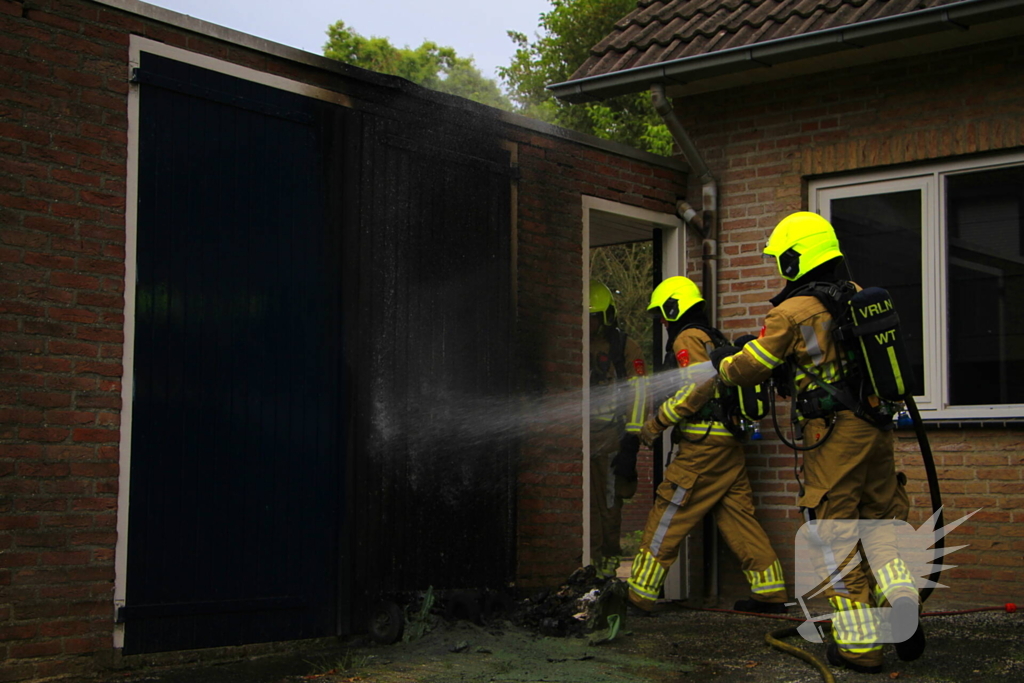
(930, 180)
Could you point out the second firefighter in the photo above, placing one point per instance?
(708, 473)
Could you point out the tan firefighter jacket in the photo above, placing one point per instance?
(691, 347)
(616, 402)
(798, 327)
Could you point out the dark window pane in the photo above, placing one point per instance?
(986, 287)
(880, 235)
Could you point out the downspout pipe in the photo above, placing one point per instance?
(705, 223)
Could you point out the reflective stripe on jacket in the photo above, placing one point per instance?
(629, 405)
(798, 327)
(691, 397)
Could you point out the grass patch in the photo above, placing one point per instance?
(349, 661)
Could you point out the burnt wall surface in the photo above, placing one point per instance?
(763, 144)
(459, 277)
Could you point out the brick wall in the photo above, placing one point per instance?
(978, 470)
(62, 189)
(762, 143)
(63, 142)
(555, 174)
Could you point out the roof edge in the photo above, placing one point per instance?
(245, 40)
(958, 16)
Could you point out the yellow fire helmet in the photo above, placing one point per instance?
(601, 302)
(801, 242)
(674, 297)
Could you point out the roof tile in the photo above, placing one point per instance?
(665, 30)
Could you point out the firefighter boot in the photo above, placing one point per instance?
(607, 567)
(904, 618)
(637, 606)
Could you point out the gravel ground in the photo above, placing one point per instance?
(674, 646)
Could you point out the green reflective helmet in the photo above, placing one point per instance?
(674, 297)
(801, 242)
(601, 302)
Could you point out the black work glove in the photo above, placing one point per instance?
(722, 352)
(782, 378)
(742, 341)
(624, 462)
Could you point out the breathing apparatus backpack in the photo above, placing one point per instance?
(734, 407)
(753, 402)
(874, 334)
(877, 373)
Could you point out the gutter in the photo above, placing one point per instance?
(957, 16)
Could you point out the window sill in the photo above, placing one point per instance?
(990, 423)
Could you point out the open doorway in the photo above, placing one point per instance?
(629, 250)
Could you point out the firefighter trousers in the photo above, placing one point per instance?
(852, 494)
(607, 493)
(707, 477)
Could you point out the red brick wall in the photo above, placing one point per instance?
(978, 470)
(555, 175)
(762, 143)
(63, 146)
(62, 189)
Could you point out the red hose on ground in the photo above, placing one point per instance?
(1008, 607)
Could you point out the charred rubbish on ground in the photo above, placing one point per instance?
(580, 606)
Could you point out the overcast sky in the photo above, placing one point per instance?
(472, 27)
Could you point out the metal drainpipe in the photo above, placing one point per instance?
(707, 226)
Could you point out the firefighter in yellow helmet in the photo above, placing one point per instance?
(617, 409)
(708, 473)
(849, 473)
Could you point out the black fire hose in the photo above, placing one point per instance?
(933, 490)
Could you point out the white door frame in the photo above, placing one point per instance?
(673, 260)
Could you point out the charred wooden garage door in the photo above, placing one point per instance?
(237, 441)
(323, 359)
(435, 420)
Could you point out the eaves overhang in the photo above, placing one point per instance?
(856, 43)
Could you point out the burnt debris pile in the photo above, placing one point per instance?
(580, 606)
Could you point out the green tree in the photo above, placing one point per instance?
(429, 65)
(626, 270)
(569, 31)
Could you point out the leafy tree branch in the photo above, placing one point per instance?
(568, 32)
(430, 65)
